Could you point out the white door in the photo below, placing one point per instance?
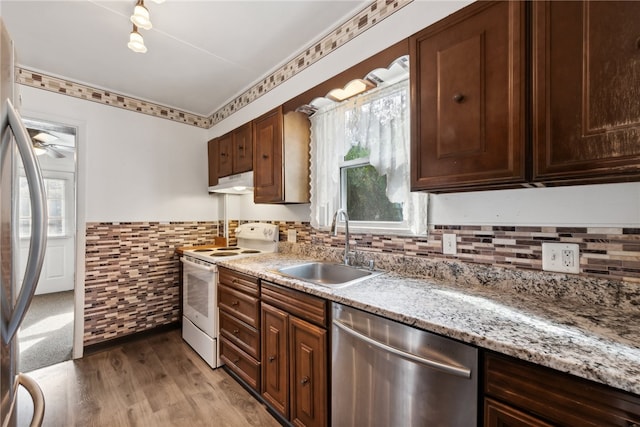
(59, 264)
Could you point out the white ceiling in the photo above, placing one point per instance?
(200, 53)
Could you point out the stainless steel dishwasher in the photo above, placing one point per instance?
(385, 373)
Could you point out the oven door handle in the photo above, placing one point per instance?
(198, 266)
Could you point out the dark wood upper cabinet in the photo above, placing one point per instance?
(586, 91)
(243, 148)
(467, 100)
(225, 155)
(281, 157)
(212, 154)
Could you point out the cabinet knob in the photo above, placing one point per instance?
(223, 154)
(234, 303)
(305, 380)
(236, 331)
(458, 97)
(236, 360)
(264, 156)
(272, 358)
(241, 147)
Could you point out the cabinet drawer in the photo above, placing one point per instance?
(241, 363)
(240, 305)
(299, 304)
(497, 414)
(557, 397)
(241, 282)
(241, 334)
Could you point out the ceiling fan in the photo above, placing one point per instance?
(43, 143)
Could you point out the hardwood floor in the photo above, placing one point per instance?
(156, 381)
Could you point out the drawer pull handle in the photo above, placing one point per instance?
(235, 303)
(235, 281)
(305, 380)
(236, 331)
(272, 358)
(236, 360)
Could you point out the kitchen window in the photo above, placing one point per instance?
(360, 162)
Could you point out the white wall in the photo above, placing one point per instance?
(593, 205)
(134, 167)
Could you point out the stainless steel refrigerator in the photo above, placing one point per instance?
(16, 152)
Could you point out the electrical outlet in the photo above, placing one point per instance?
(561, 257)
(291, 236)
(449, 244)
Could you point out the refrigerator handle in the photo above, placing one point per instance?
(38, 243)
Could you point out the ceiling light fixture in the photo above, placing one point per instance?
(136, 42)
(140, 16)
(353, 88)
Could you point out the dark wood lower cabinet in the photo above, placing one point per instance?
(275, 345)
(309, 374)
(520, 393)
(295, 371)
(497, 414)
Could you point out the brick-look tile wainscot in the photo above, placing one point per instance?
(132, 275)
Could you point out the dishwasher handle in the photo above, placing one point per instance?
(449, 369)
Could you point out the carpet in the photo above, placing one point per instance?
(46, 334)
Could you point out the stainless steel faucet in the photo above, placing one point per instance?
(334, 229)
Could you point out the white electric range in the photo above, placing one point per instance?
(200, 327)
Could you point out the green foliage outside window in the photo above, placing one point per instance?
(366, 192)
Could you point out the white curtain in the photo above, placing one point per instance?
(378, 121)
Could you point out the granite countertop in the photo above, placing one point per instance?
(596, 340)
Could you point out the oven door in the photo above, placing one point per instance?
(199, 295)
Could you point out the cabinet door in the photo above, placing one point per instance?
(467, 99)
(225, 154)
(497, 414)
(586, 84)
(212, 154)
(267, 162)
(243, 148)
(308, 374)
(275, 371)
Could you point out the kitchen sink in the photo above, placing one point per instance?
(328, 274)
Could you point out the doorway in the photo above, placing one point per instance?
(46, 335)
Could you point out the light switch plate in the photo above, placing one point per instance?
(291, 236)
(449, 244)
(561, 257)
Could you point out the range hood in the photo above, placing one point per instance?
(241, 183)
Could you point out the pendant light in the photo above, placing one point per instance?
(136, 42)
(140, 16)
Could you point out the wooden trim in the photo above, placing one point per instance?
(358, 71)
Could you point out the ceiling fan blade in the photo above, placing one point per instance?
(54, 152)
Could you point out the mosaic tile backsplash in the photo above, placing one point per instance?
(132, 275)
(610, 253)
(346, 31)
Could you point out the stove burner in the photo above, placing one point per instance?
(250, 251)
(217, 254)
(229, 248)
(202, 250)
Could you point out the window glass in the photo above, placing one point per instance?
(55, 189)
